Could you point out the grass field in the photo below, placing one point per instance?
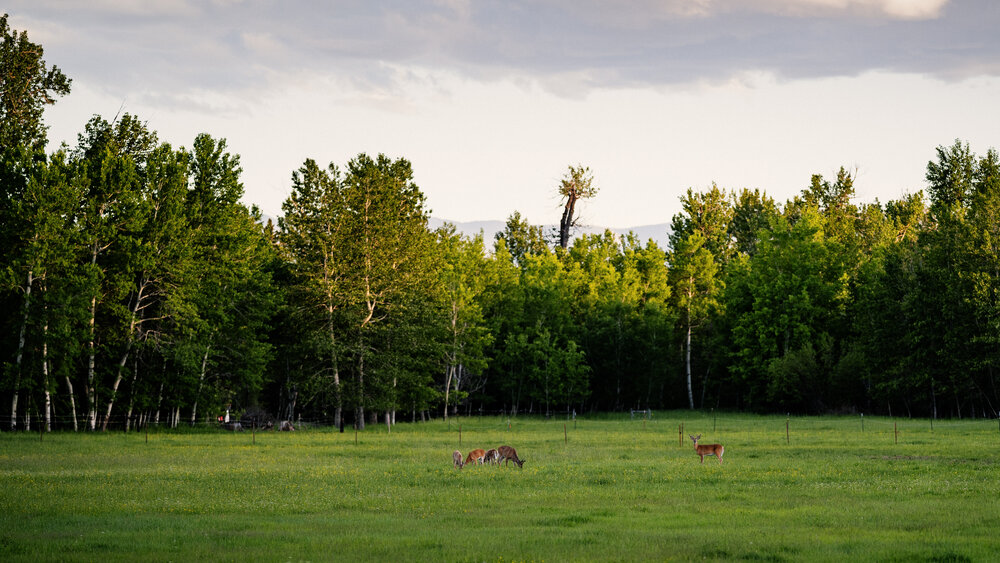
(607, 488)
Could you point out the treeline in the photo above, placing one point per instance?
(138, 289)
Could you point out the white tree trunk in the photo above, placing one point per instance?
(45, 378)
(338, 412)
(128, 348)
(72, 402)
(91, 389)
(159, 403)
(20, 352)
(201, 381)
(688, 361)
(131, 397)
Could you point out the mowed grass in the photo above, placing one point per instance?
(617, 489)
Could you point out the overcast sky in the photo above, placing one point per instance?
(491, 101)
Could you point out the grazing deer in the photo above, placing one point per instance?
(492, 456)
(475, 456)
(708, 449)
(456, 458)
(508, 453)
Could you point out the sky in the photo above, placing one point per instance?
(492, 101)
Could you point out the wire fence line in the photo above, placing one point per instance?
(660, 421)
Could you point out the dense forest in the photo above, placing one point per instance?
(138, 289)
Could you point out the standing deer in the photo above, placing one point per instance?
(708, 449)
(475, 456)
(492, 456)
(456, 458)
(508, 453)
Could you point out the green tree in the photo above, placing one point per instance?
(150, 255)
(388, 250)
(40, 268)
(228, 295)
(710, 214)
(27, 85)
(110, 157)
(313, 232)
(521, 239)
(464, 274)
(753, 212)
(696, 289)
(784, 301)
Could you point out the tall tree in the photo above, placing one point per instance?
(784, 301)
(577, 184)
(696, 290)
(27, 85)
(41, 256)
(110, 155)
(313, 231)
(228, 294)
(464, 277)
(388, 251)
(151, 255)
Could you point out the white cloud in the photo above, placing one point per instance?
(896, 9)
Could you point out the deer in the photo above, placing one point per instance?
(475, 456)
(492, 456)
(507, 454)
(456, 458)
(708, 449)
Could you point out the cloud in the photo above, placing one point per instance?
(872, 9)
(571, 46)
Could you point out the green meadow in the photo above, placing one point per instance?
(602, 488)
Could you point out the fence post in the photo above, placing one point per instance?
(895, 432)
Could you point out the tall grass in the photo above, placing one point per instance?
(605, 488)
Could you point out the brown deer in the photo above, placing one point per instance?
(475, 456)
(508, 453)
(492, 456)
(708, 449)
(456, 458)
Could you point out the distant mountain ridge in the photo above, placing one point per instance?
(658, 232)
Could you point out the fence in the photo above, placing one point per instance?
(713, 426)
